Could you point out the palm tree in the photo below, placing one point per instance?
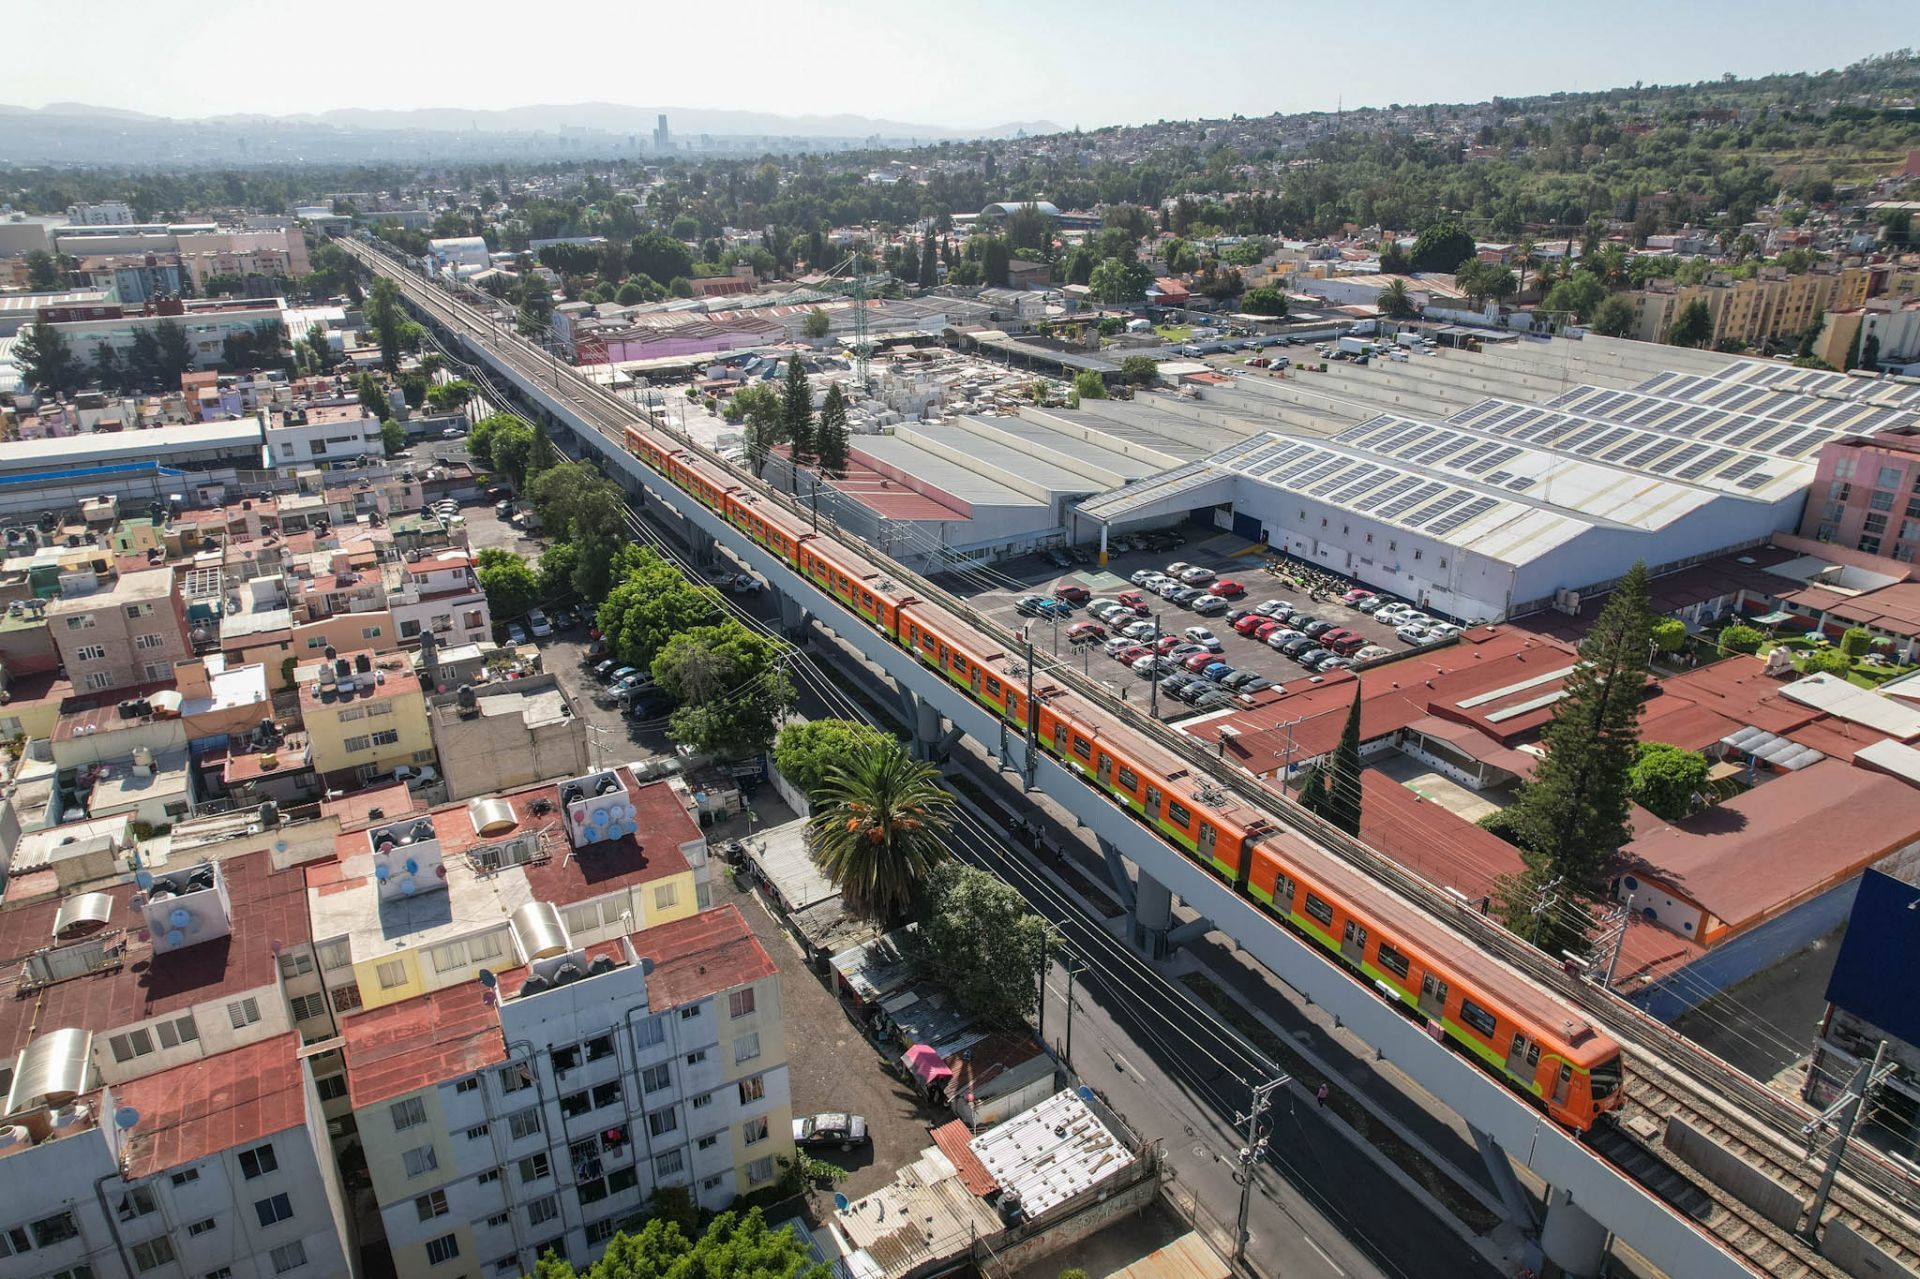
(1526, 258)
(1395, 302)
(879, 825)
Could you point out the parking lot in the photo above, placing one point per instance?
(1223, 557)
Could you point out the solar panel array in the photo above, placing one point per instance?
(1850, 415)
(1823, 383)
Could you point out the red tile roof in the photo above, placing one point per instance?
(235, 1098)
(700, 956)
(356, 810)
(1758, 853)
(407, 1046)
(1649, 953)
(952, 1139)
(268, 907)
(1426, 838)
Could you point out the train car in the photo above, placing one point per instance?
(863, 587)
(652, 449)
(964, 656)
(769, 525)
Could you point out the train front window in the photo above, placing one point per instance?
(1604, 1079)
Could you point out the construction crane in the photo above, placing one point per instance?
(855, 286)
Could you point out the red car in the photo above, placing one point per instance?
(1085, 632)
(1200, 661)
(1250, 623)
(1135, 601)
(1132, 655)
(1227, 589)
(1167, 643)
(1071, 594)
(1268, 628)
(1345, 645)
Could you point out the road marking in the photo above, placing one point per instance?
(1323, 1255)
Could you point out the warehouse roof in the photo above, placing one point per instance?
(157, 444)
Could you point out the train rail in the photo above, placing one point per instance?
(1667, 1077)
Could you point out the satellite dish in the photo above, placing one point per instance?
(487, 978)
(125, 1118)
(143, 880)
(489, 998)
(839, 1202)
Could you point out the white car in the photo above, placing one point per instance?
(1372, 652)
(1442, 630)
(1176, 568)
(537, 623)
(1138, 630)
(415, 776)
(1412, 632)
(1203, 637)
(1274, 608)
(1145, 577)
(1195, 576)
(1145, 665)
(1207, 605)
(1393, 614)
(1119, 644)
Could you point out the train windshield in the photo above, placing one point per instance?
(1604, 1078)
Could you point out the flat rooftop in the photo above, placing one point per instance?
(216, 1103)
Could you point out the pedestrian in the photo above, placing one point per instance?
(1320, 1095)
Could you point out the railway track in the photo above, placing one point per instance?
(1667, 1076)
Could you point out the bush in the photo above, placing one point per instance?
(1740, 638)
(1664, 779)
(1503, 822)
(1829, 662)
(1855, 642)
(1670, 634)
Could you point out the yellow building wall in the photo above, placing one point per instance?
(765, 1020)
(685, 900)
(366, 975)
(328, 735)
(1836, 339)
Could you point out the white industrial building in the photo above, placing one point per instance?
(1485, 486)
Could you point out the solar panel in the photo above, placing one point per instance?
(1443, 449)
(1339, 477)
(1755, 480)
(1520, 482)
(1640, 459)
(1741, 467)
(1406, 502)
(1486, 457)
(1694, 470)
(1387, 494)
(1630, 441)
(1774, 439)
(1668, 464)
(1500, 477)
(1584, 436)
(1472, 510)
(1360, 481)
(1320, 472)
(1459, 497)
(1755, 426)
(1611, 438)
(1807, 443)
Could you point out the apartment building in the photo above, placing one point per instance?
(321, 436)
(1866, 494)
(365, 715)
(507, 734)
(133, 278)
(208, 324)
(439, 592)
(130, 630)
(391, 928)
(540, 1105)
(1769, 306)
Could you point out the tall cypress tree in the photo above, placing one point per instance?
(1343, 776)
(929, 270)
(1572, 817)
(796, 411)
(831, 437)
(1312, 794)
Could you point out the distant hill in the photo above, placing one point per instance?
(76, 133)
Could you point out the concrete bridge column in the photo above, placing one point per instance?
(1574, 1243)
(1513, 1197)
(793, 617)
(1152, 916)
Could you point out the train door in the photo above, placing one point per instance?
(1206, 840)
(1523, 1056)
(1153, 802)
(1353, 942)
(1106, 770)
(973, 678)
(1060, 738)
(1433, 996)
(1563, 1085)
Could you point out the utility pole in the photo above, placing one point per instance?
(1074, 969)
(1864, 1081)
(1548, 900)
(1153, 676)
(1031, 764)
(1250, 1156)
(1619, 942)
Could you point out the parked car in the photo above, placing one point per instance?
(1392, 612)
(1334, 663)
(1208, 605)
(503, 509)
(1177, 649)
(1146, 665)
(537, 623)
(1059, 558)
(1228, 589)
(604, 670)
(415, 776)
(1029, 605)
(833, 1129)
(1140, 630)
(515, 635)
(1195, 576)
(1259, 683)
(1312, 657)
(1175, 569)
(1316, 628)
(1442, 630)
(1250, 623)
(1274, 608)
(1411, 632)
(1055, 608)
(1174, 685)
(1183, 595)
(1132, 653)
(1267, 629)
(1370, 653)
(1217, 671)
(1135, 601)
(1354, 596)
(1085, 632)
(1333, 635)
(1296, 645)
(1120, 644)
(1071, 592)
(1143, 577)
(1212, 698)
(1201, 635)
(1238, 680)
(1197, 662)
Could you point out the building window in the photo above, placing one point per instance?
(289, 1256)
(407, 1113)
(704, 1100)
(148, 641)
(99, 680)
(442, 1250)
(622, 1179)
(523, 1123)
(274, 1209)
(295, 963)
(330, 1087)
(707, 1142)
(258, 1161)
(385, 737)
(655, 1078)
(669, 1164)
(746, 1047)
(243, 1012)
(478, 1131)
(335, 954)
(759, 1172)
(137, 1202)
(90, 653)
(345, 998)
(470, 1084)
(135, 1043)
(420, 1161)
(666, 896)
(650, 1033)
(662, 1122)
(606, 1094)
(1881, 500)
(600, 1046)
(354, 745)
(391, 973)
(224, 1272)
(599, 1231)
(487, 1178)
(754, 1131)
(740, 1003)
(711, 1183)
(186, 1176)
(203, 1227)
(306, 1007)
(542, 1210)
(574, 1105)
(689, 1012)
(696, 1057)
(515, 1077)
(151, 1253)
(498, 1220)
(752, 1090)
(535, 1168)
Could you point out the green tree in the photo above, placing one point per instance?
(558, 564)
(1827, 662)
(994, 256)
(536, 307)
(1693, 326)
(1089, 385)
(451, 396)
(817, 324)
(832, 440)
(480, 438)
(1580, 294)
(796, 411)
(649, 605)
(1115, 280)
(1573, 815)
(734, 1246)
(978, 939)
(731, 685)
(1140, 370)
(1669, 635)
(659, 256)
(929, 264)
(577, 503)
(385, 314)
(1396, 300)
(879, 828)
(1664, 779)
(511, 587)
(1740, 638)
(806, 750)
(1870, 353)
(373, 396)
(1441, 247)
(393, 436)
(108, 370)
(1856, 642)
(43, 273)
(758, 405)
(1343, 773)
(680, 286)
(1267, 300)
(512, 446)
(316, 341)
(46, 361)
(1616, 318)
(173, 352)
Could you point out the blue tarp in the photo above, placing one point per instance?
(1881, 951)
(89, 472)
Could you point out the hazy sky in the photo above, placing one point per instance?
(978, 63)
